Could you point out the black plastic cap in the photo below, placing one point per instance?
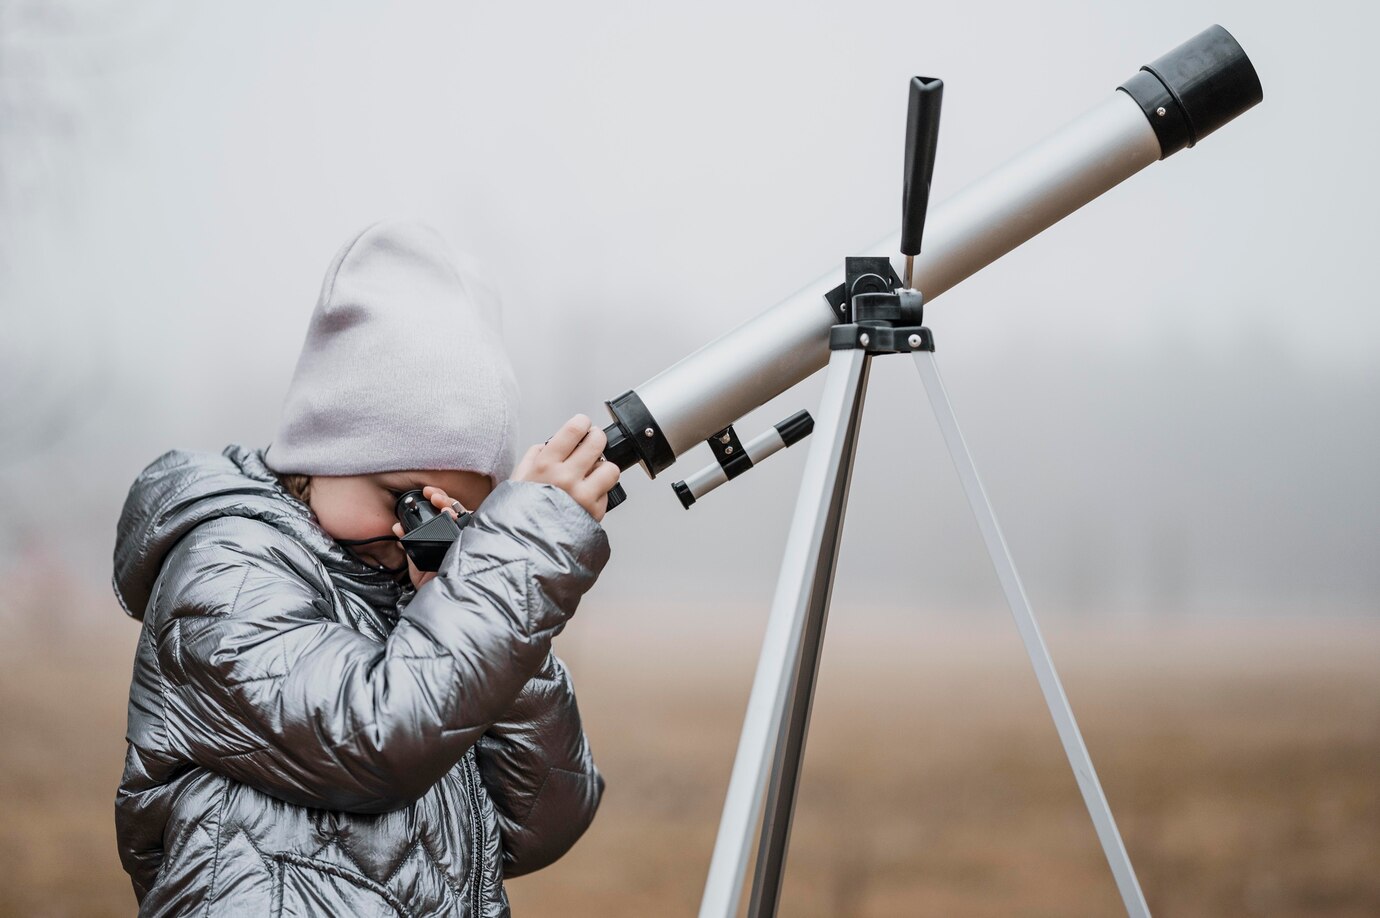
(635, 436)
(795, 428)
(1195, 89)
(683, 492)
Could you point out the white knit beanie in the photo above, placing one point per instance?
(403, 366)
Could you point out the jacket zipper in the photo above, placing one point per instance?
(476, 830)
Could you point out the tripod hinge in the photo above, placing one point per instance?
(881, 339)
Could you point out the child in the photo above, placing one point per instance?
(315, 728)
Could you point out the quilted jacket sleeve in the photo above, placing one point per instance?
(536, 763)
(264, 684)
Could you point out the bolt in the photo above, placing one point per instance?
(913, 341)
(728, 451)
(1160, 111)
(864, 340)
(649, 432)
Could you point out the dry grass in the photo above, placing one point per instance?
(1243, 764)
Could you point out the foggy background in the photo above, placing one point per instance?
(1171, 395)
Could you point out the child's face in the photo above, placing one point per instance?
(361, 506)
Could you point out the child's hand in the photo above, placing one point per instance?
(446, 504)
(573, 460)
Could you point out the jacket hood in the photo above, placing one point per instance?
(182, 489)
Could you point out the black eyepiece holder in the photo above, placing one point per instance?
(428, 532)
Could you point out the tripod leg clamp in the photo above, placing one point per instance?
(881, 339)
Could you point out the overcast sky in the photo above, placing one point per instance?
(1172, 394)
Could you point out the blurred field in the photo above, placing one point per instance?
(1242, 762)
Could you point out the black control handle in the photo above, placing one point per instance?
(922, 136)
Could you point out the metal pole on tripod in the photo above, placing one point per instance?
(1050, 686)
(772, 741)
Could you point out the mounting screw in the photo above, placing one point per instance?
(913, 341)
(1160, 111)
(649, 432)
(864, 340)
(728, 451)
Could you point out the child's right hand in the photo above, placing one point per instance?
(573, 460)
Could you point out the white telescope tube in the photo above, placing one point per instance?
(768, 354)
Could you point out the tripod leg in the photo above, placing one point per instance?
(1053, 690)
(789, 759)
(772, 741)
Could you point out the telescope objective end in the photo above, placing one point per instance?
(1195, 89)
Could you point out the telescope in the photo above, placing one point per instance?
(843, 320)
(1168, 105)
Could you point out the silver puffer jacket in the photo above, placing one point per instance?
(308, 738)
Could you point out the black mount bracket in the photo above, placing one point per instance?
(729, 453)
(876, 313)
(861, 274)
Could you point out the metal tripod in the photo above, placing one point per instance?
(773, 739)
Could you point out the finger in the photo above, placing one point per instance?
(398, 530)
(603, 477)
(524, 466)
(591, 449)
(559, 447)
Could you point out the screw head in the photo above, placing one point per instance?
(913, 341)
(1160, 111)
(728, 451)
(864, 340)
(649, 433)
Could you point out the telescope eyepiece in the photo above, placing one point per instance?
(1195, 89)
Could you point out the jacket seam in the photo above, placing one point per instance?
(492, 567)
(522, 820)
(240, 755)
(396, 867)
(234, 603)
(162, 686)
(349, 876)
(251, 680)
(446, 877)
(192, 479)
(352, 734)
(220, 835)
(335, 840)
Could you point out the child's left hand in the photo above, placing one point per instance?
(446, 504)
